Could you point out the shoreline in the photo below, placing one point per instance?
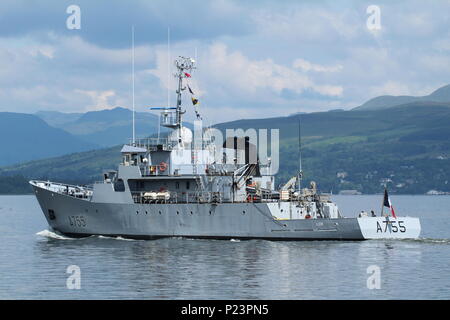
(341, 195)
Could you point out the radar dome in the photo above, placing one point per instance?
(186, 136)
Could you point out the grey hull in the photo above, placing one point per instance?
(78, 217)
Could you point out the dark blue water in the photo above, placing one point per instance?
(33, 262)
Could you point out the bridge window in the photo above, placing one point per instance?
(119, 186)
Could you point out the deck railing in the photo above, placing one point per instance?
(82, 192)
(181, 197)
(197, 197)
(165, 143)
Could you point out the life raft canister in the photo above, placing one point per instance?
(163, 166)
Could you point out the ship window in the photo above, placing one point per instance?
(119, 186)
(187, 184)
(177, 185)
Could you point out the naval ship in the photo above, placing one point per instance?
(175, 186)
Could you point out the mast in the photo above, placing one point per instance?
(382, 202)
(174, 119)
(300, 169)
(168, 67)
(184, 65)
(132, 71)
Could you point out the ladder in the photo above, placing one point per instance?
(194, 162)
(200, 186)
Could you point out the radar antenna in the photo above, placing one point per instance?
(173, 119)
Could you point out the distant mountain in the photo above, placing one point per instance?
(56, 118)
(296, 113)
(441, 95)
(105, 127)
(409, 151)
(25, 137)
(111, 116)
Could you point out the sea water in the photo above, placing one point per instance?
(36, 263)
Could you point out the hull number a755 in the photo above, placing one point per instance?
(391, 226)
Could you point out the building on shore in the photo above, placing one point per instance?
(349, 192)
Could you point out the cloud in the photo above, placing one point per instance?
(390, 88)
(100, 99)
(253, 59)
(68, 75)
(306, 22)
(108, 22)
(230, 77)
(308, 66)
(240, 73)
(443, 44)
(227, 78)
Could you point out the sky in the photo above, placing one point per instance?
(255, 59)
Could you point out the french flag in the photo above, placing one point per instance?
(387, 203)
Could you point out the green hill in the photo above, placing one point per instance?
(406, 147)
(441, 95)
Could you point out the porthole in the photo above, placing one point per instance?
(51, 214)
